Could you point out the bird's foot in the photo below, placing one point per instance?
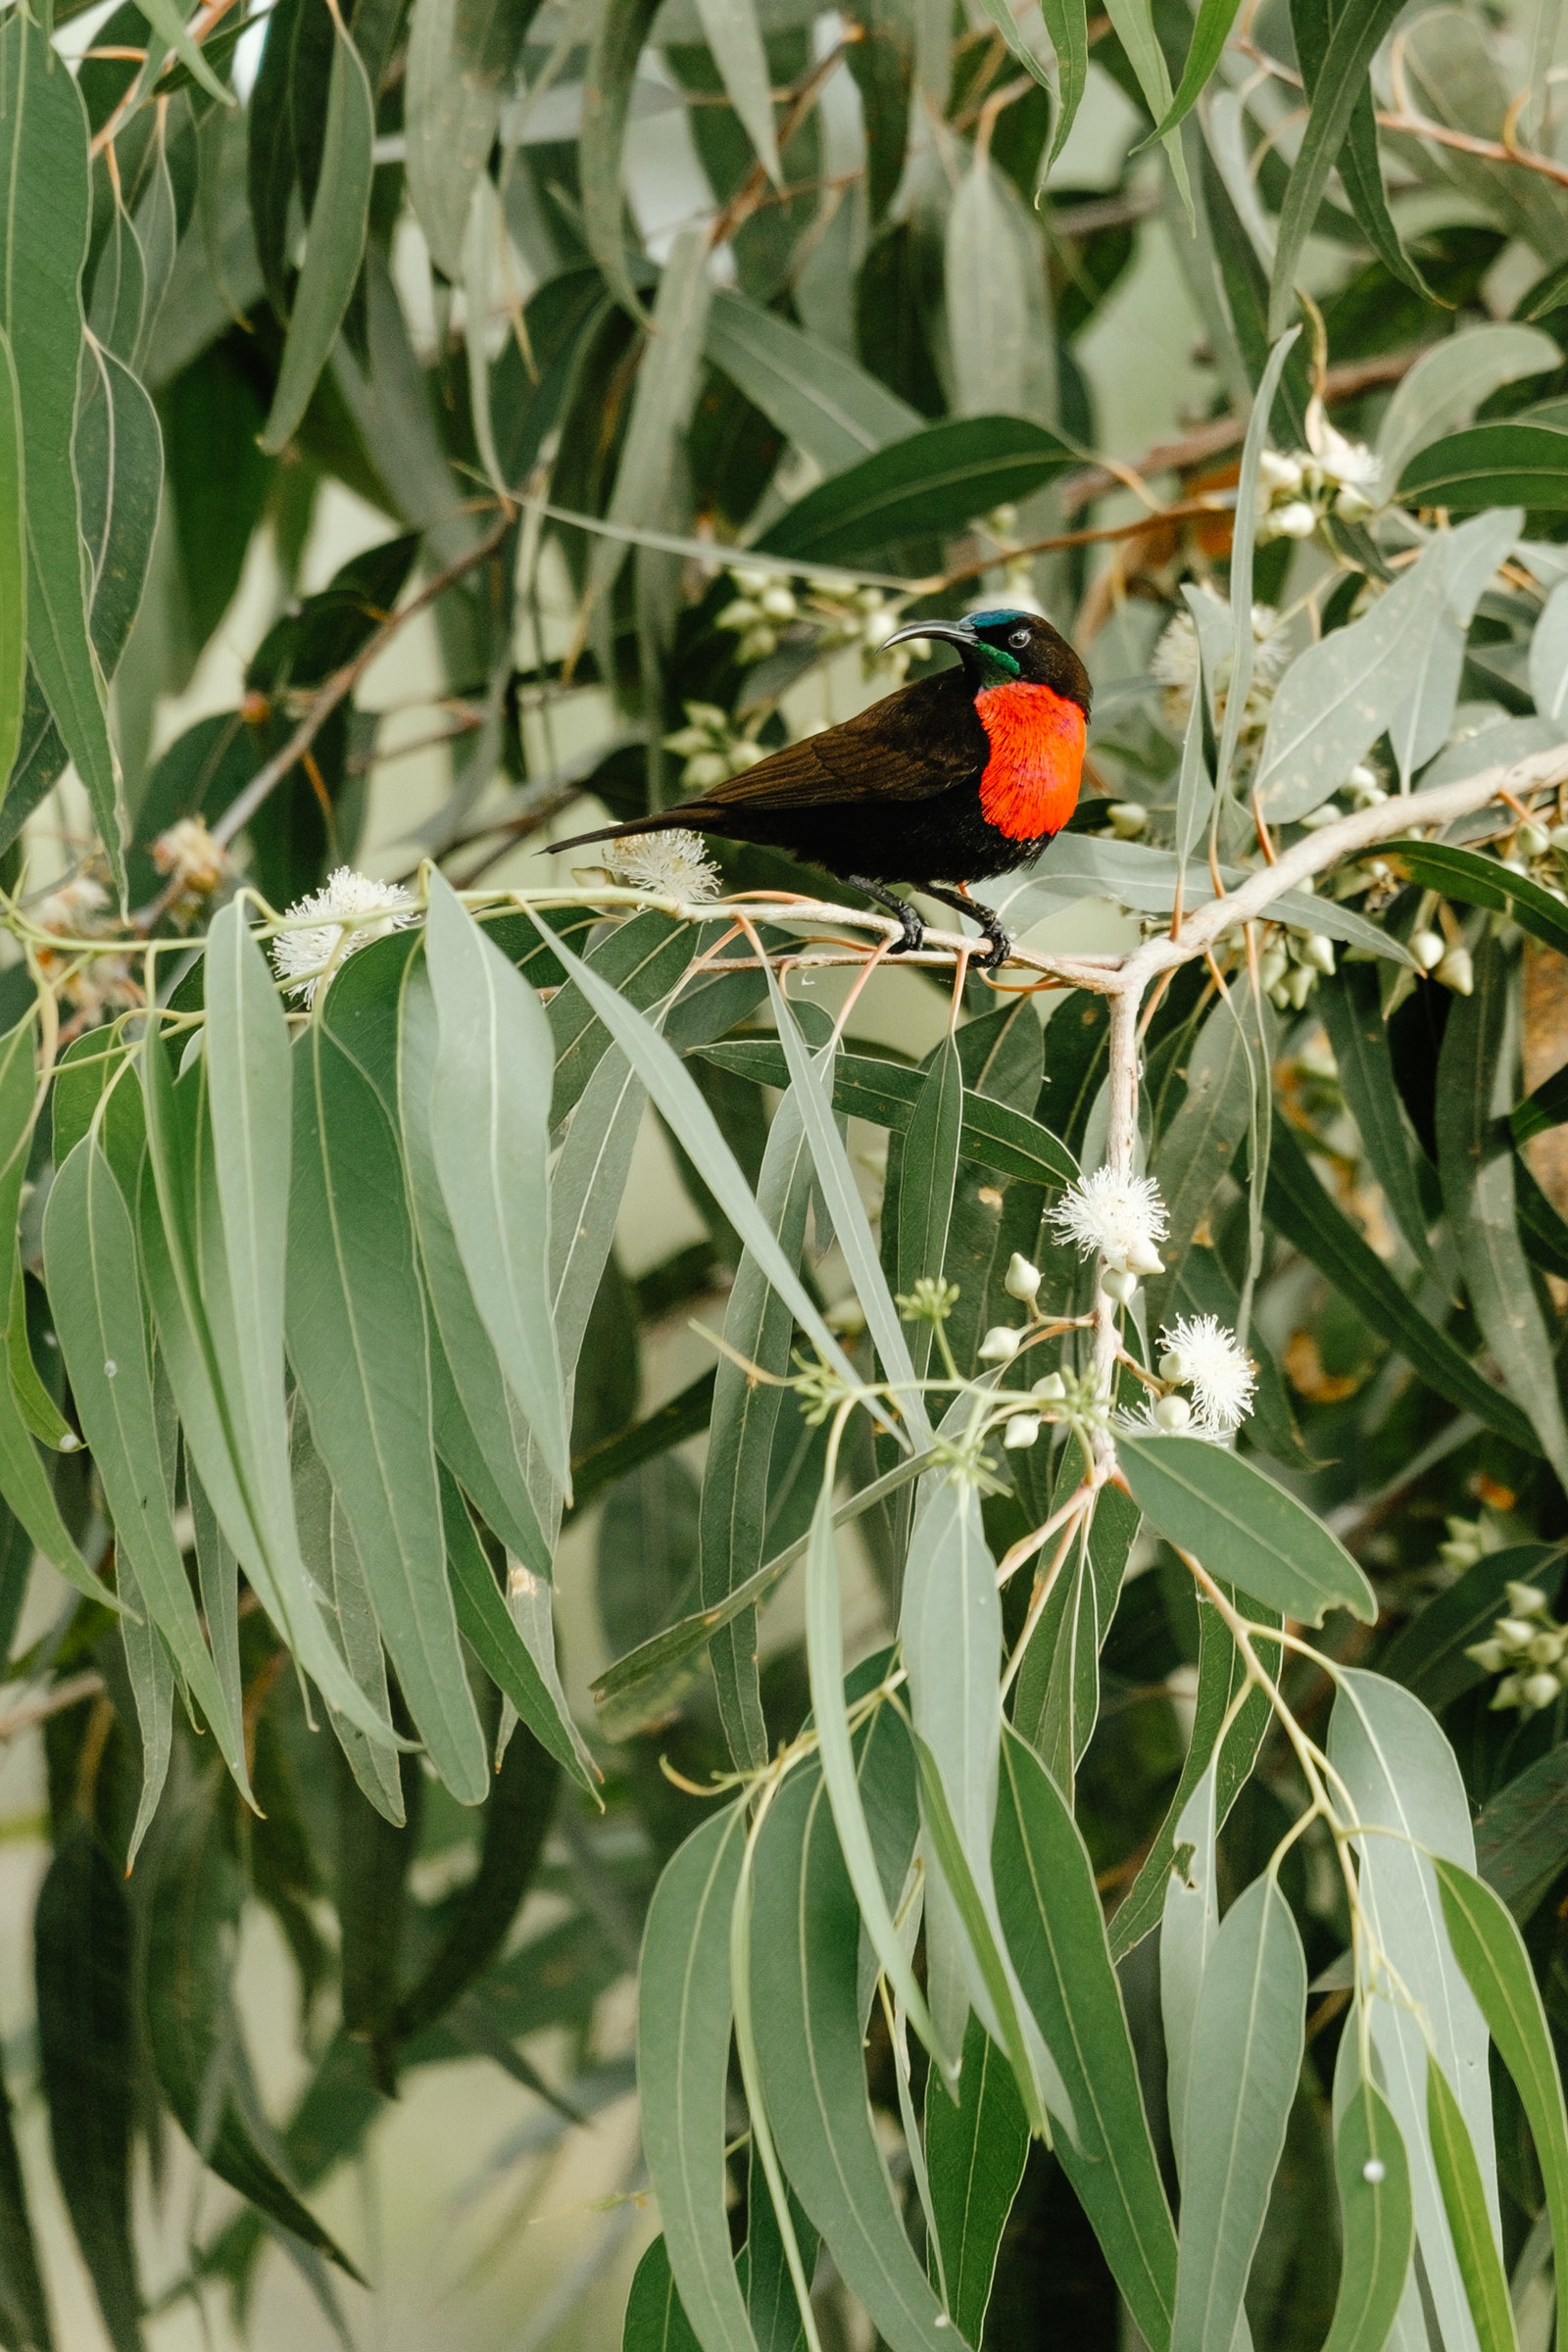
(914, 929)
(999, 941)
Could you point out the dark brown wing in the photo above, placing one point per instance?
(911, 746)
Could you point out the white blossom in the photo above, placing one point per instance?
(671, 866)
(72, 908)
(1119, 1218)
(1210, 1359)
(1174, 662)
(348, 914)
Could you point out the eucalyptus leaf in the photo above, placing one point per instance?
(1242, 1527)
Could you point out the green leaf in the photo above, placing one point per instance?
(826, 405)
(661, 405)
(807, 2005)
(370, 1892)
(1522, 1835)
(607, 78)
(654, 2321)
(24, 2308)
(13, 564)
(683, 2033)
(1351, 1007)
(44, 151)
(193, 1920)
(994, 1134)
(86, 2053)
(152, 1690)
(1210, 32)
(1358, 28)
(1449, 381)
(976, 2154)
(1245, 2056)
(490, 1633)
(932, 484)
(358, 1344)
(1242, 1527)
(1303, 1214)
(90, 1256)
(1490, 1950)
(643, 959)
(1373, 2181)
(929, 1171)
(1067, 23)
(771, 2303)
(170, 25)
(1516, 464)
(1485, 2283)
(334, 240)
(489, 1098)
(1400, 1775)
(38, 1409)
(1476, 1166)
(460, 60)
(1479, 881)
(333, 1557)
(759, 1329)
(1197, 1150)
(732, 30)
(1056, 1934)
(1056, 1700)
(119, 459)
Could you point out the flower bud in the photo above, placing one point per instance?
(1514, 1634)
(1532, 840)
(1539, 1690)
(742, 614)
(1524, 1600)
(1506, 1695)
(1374, 2170)
(1128, 818)
(1021, 1430)
(1051, 1389)
(705, 770)
(1457, 971)
(1021, 1280)
(1557, 835)
(1277, 472)
(1547, 1647)
(1299, 983)
(1429, 948)
(1317, 949)
(777, 601)
(1144, 1259)
(1173, 1412)
(1172, 1366)
(1272, 967)
(999, 1345)
(1121, 1283)
(1490, 1657)
(1463, 1552)
(1316, 818)
(1295, 522)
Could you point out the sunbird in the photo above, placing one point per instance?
(954, 779)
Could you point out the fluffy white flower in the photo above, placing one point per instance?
(71, 910)
(1212, 1362)
(673, 866)
(1119, 1218)
(348, 914)
(1350, 464)
(1174, 662)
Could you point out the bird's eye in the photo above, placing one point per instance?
(1019, 637)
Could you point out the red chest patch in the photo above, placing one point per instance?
(1030, 784)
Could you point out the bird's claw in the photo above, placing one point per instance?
(1001, 947)
(913, 939)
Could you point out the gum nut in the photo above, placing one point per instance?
(1362, 777)
(1295, 522)
(1120, 1284)
(1273, 967)
(1524, 1600)
(1051, 1389)
(741, 614)
(1144, 1259)
(1352, 503)
(1488, 1655)
(709, 768)
(1429, 948)
(1539, 1691)
(1128, 820)
(1299, 985)
(1021, 1430)
(1514, 1634)
(1558, 837)
(1374, 2170)
(1546, 1648)
(1173, 1412)
(777, 601)
(1279, 996)
(1506, 1695)
(71, 1442)
(1316, 818)
(999, 1345)
(1317, 949)
(1532, 840)
(1457, 971)
(1172, 1366)
(1021, 1280)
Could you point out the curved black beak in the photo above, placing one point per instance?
(951, 633)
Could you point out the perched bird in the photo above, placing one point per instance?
(951, 780)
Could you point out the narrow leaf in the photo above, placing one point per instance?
(1486, 2281)
(1374, 2184)
(1242, 1527)
(334, 242)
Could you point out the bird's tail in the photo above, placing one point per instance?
(666, 820)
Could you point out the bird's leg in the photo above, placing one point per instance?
(986, 917)
(913, 939)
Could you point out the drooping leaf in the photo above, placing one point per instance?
(1464, 2200)
(24, 2307)
(13, 564)
(1522, 1835)
(1373, 2174)
(1353, 1014)
(1449, 381)
(1358, 28)
(608, 79)
(975, 2151)
(934, 483)
(827, 405)
(491, 1632)
(1520, 464)
(460, 59)
(662, 404)
(654, 2319)
(1242, 1527)
(1479, 881)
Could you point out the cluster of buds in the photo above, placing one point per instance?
(1332, 476)
(1529, 1649)
(1363, 788)
(1449, 965)
(197, 867)
(96, 987)
(1540, 851)
(1291, 965)
(765, 608)
(713, 749)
